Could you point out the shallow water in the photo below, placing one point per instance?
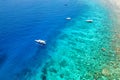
(75, 50)
(83, 51)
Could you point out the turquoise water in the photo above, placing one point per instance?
(82, 51)
(75, 50)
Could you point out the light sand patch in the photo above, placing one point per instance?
(105, 72)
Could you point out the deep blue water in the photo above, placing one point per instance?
(23, 21)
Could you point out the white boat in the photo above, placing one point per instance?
(89, 21)
(68, 18)
(43, 42)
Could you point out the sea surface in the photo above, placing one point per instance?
(75, 49)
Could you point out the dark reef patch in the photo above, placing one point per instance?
(3, 57)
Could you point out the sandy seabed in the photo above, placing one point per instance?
(114, 10)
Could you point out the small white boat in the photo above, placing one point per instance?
(43, 42)
(89, 21)
(68, 18)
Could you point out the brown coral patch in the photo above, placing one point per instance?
(117, 50)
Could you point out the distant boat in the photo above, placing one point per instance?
(42, 42)
(68, 18)
(89, 21)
